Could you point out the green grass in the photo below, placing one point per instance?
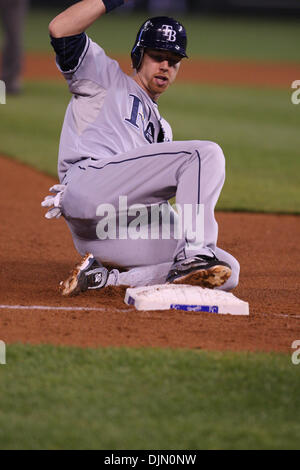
(258, 130)
(68, 398)
(239, 38)
(31, 124)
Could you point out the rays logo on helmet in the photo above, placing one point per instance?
(169, 32)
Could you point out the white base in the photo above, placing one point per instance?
(185, 297)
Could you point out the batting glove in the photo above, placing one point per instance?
(55, 201)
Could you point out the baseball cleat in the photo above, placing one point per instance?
(200, 270)
(88, 274)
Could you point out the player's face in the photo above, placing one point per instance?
(158, 71)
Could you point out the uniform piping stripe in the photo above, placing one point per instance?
(199, 175)
(137, 158)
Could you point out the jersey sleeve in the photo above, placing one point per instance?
(82, 61)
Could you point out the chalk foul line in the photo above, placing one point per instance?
(49, 307)
(101, 309)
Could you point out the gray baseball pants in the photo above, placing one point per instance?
(191, 171)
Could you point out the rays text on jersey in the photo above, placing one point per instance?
(138, 114)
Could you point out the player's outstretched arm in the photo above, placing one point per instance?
(80, 16)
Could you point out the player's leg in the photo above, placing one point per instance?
(119, 253)
(137, 274)
(193, 170)
(150, 264)
(131, 252)
(156, 274)
(91, 273)
(150, 275)
(143, 272)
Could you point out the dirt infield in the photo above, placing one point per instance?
(230, 72)
(37, 254)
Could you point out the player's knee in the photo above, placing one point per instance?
(212, 151)
(215, 151)
(76, 204)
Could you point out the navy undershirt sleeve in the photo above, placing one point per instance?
(112, 4)
(69, 50)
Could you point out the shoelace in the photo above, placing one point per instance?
(206, 258)
(199, 258)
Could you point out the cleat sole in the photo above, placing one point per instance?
(209, 278)
(71, 286)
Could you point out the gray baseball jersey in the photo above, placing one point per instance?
(109, 112)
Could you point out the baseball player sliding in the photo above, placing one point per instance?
(118, 166)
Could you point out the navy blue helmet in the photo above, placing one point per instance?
(162, 33)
